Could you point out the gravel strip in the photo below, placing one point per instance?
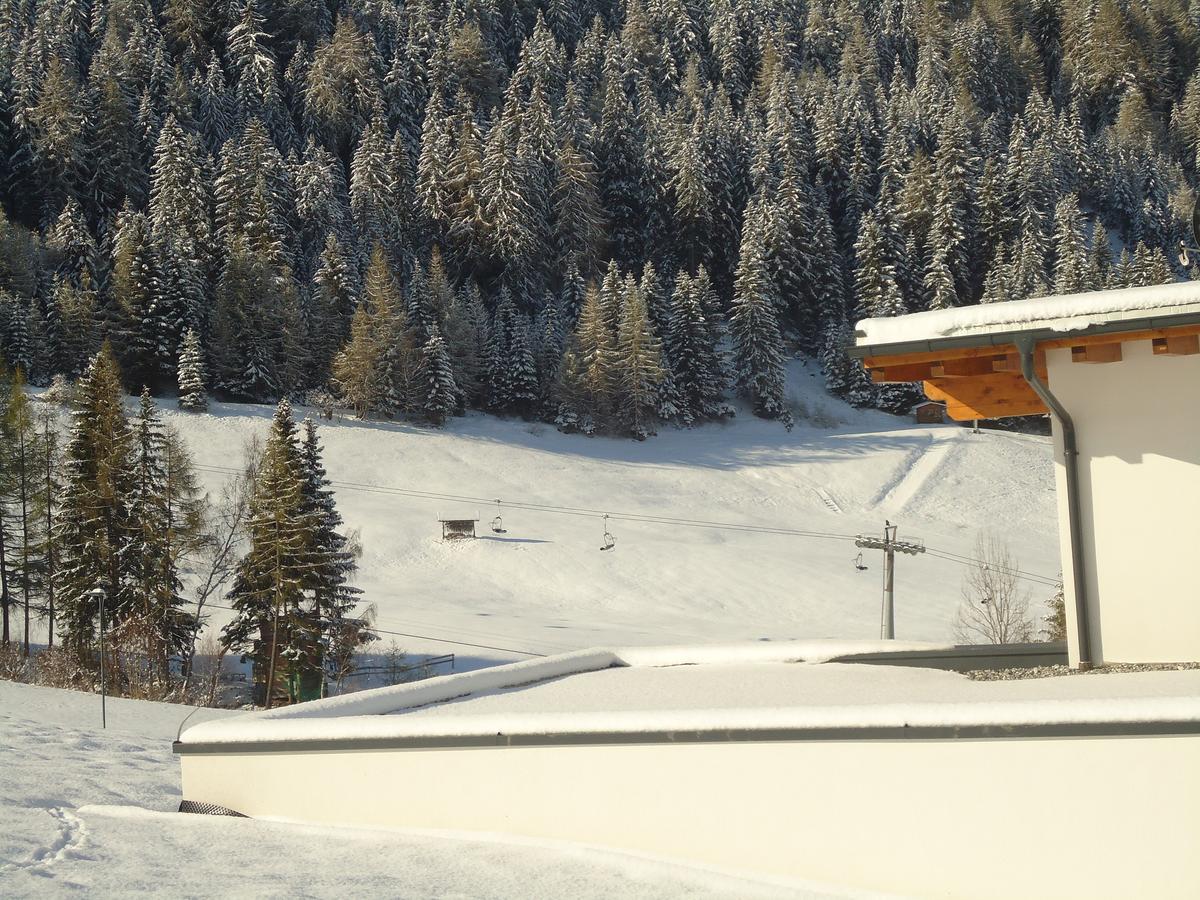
(1056, 671)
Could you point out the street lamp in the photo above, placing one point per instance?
(98, 594)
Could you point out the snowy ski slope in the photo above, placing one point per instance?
(543, 586)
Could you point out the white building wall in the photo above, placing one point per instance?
(1138, 429)
(1083, 817)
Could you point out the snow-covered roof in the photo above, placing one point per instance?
(1128, 309)
(745, 688)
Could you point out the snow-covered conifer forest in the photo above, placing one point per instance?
(603, 213)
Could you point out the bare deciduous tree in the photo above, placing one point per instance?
(994, 609)
(223, 535)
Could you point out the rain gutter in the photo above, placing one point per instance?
(1025, 345)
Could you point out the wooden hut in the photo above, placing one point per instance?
(929, 412)
(458, 529)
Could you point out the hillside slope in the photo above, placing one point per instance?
(543, 586)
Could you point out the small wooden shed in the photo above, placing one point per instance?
(929, 412)
(458, 529)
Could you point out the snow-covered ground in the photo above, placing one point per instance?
(544, 587)
(92, 809)
(88, 810)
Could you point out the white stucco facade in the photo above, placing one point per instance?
(743, 758)
(953, 818)
(1137, 426)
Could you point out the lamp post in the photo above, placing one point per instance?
(98, 594)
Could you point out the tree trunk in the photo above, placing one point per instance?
(51, 572)
(25, 576)
(4, 597)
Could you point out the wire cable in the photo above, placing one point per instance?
(424, 637)
(647, 519)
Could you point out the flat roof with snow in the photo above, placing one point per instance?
(758, 692)
(995, 324)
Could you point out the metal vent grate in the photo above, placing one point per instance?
(207, 809)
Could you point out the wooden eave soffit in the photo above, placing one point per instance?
(986, 382)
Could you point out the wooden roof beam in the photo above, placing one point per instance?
(985, 396)
(923, 371)
(1184, 345)
(1097, 353)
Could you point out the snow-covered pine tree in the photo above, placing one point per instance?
(72, 249)
(617, 154)
(193, 388)
(154, 593)
(466, 225)
(757, 345)
(578, 214)
(334, 297)
(536, 154)
(373, 187)
(692, 201)
(875, 275)
(91, 529)
(357, 367)
(438, 394)
(844, 376)
(1070, 250)
(550, 344)
(271, 615)
(132, 287)
(505, 204)
(433, 194)
(466, 335)
(330, 566)
(181, 234)
(1099, 257)
(690, 348)
(588, 378)
(637, 365)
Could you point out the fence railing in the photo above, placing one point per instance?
(398, 672)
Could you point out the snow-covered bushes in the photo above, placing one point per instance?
(13, 665)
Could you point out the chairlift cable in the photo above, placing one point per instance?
(643, 518)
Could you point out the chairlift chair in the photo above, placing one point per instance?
(609, 540)
(858, 563)
(498, 522)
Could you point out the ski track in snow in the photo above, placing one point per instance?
(901, 472)
(919, 468)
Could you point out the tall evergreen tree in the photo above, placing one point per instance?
(754, 327)
(92, 526)
(335, 633)
(436, 390)
(21, 510)
(690, 348)
(637, 364)
(272, 624)
(193, 389)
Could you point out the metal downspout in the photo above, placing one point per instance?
(1025, 345)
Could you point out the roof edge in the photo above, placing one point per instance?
(919, 732)
(1008, 338)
